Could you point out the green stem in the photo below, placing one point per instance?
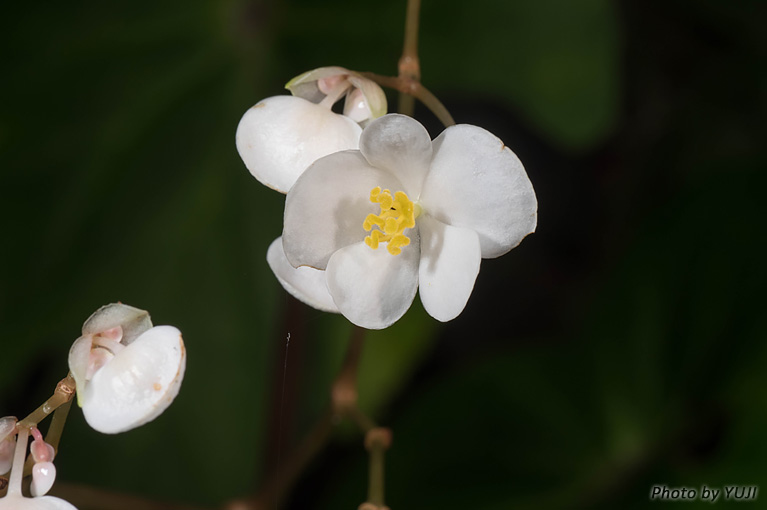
(410, 48)
(56, 428)
(376, 480)
(377, 441)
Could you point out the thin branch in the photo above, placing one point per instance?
(64, 392)
(409, 66)
(56, 428)
(416, 90)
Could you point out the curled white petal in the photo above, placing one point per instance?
(304, 283)
(450, 259)
(138, 384)
(372, 288)
(476, 182)
(18, 502)
(281, 136)
(43, 476)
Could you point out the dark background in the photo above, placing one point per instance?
(621, 346)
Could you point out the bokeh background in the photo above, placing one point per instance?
(620, 346)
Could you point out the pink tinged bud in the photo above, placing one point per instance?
(43, 476)
(41, 451)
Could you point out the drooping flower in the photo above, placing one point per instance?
(281, 136)
(438, 208)
(127, 371)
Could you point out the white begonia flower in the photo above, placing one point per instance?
(281, 136)
(126, 371)
(444, 205)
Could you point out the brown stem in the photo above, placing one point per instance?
(64, 392)
(416, 90)
(59, 402)
(377, 441)
(409, 66)
(56, 428)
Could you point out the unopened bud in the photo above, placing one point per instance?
(43, 476)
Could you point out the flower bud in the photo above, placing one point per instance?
(43, 476)
(330, 83)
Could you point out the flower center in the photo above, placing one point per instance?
(397, 214)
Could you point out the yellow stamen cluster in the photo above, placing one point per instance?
(397, 214)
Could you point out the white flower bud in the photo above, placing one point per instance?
(327, 84)
(43, 476)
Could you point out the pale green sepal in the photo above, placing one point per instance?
(305, 85)
(133, 321)
(79, 358)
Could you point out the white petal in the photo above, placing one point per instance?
(450, 258)
(18, 502)
(7, 426)
(401, 145)
(374, 288)
(281, 136)
(138, 384)
(476, 182)
(304, 283)
(325, 209)
(133, 321)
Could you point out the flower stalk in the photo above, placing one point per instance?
(409, 66)
(63, 393)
